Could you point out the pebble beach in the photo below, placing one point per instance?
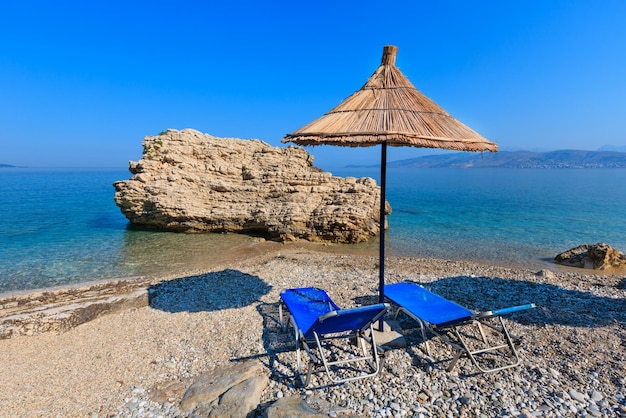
(573, 346)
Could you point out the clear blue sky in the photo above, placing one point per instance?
(81, 83)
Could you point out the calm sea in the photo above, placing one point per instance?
(61, 226)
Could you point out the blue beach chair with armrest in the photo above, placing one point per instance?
(317, 321)
(449, 321)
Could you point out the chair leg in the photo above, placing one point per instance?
(482, 332)
(305, 369)
(362, 340)
(283, 324)
(425, 338)
(490, 348)
(304, 363)
(422, 327)
(327, 363)
(298, 352)
(320, 349)
(378, 360)
(455, 360)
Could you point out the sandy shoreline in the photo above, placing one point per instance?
(208, 318)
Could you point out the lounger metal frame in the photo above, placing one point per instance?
(458, 342)
(319, 357)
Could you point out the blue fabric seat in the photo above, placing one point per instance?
(437, 315)
(317, 320)
(427, 306)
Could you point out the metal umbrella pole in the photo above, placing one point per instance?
(381, 272)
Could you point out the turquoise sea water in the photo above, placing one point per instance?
(61, 226)
(522, 217)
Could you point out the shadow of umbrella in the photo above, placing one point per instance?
(207, 292)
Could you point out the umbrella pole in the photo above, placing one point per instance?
(381, 277)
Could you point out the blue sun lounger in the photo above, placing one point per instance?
(449, 321)
(317, 320)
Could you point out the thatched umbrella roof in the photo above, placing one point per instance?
(389, 109)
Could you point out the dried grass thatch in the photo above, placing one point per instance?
(389, 109)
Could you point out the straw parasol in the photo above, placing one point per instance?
(389, 110)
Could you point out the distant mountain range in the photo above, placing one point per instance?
(604, 158)
(517, 159)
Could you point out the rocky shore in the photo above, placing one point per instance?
(142, 359)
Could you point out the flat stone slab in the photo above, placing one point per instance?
(209, 387)
(60, 309)
(292, 407)
(241, 399)
(391, 336)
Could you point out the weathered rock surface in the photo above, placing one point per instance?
(188, 181)
(218, 384)
(235, 391)
(58, 310)
(592, 256)
(230, 392)
(292, 407)
(241, 399)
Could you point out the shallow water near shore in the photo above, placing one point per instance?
(61, 226)
(523, 217)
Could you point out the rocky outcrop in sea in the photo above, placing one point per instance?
(599, 256)
(188, 181)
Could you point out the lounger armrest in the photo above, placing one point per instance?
(351, 319)
(505, 311)
(328, 315)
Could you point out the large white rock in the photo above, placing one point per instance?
(188, 181)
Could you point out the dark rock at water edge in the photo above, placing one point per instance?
(599, 256)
